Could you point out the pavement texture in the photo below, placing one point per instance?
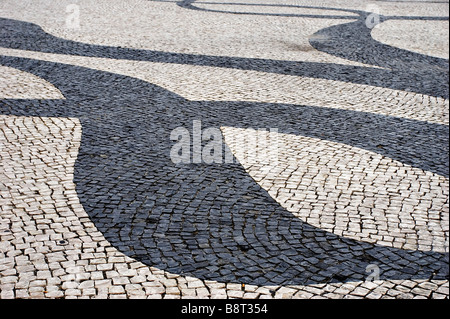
(96, 101)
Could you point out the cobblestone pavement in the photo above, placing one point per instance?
(353, 93)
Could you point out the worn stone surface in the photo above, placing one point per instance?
(333, 182)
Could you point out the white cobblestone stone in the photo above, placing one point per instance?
(360, 184)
